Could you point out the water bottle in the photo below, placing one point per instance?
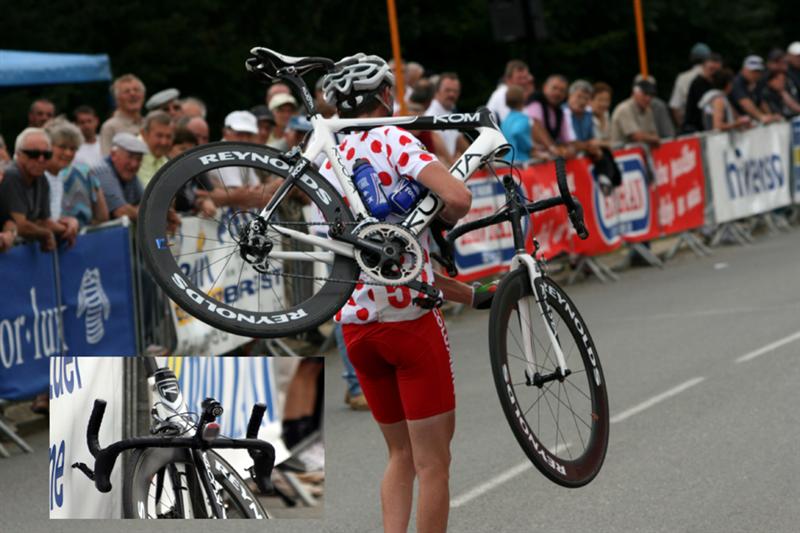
(405, 196)
(369, 188)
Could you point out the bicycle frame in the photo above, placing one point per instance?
(485, 145)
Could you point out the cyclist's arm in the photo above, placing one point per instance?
(453, 192)
(453, 290)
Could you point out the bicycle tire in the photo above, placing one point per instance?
(145, 464)
(182, 289)
(550, 448)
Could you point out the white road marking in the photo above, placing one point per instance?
(769, 347)
(496, 481)
(514, 471)
(619, 417)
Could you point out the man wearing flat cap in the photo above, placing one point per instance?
(745, 97)
(167, 101)
(117, 175)
(633, 120)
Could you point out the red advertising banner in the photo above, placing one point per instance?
(633, 204)
(680, 183)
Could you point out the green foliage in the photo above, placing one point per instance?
(200, 46)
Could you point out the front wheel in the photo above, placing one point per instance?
(560, 422)
(256, 281)
(163, 483)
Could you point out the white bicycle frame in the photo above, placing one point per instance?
(485, 145)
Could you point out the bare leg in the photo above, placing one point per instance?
(397, 487)
(302, 392)
(430, 442)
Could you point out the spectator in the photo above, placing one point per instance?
(664, 125)
(73, 192)
(157, 133)
(516, 73)
(414, 73)
(744, 97)
(417, 105)
(25, 194)
(680, 91)
(793, 63)
(775, 96)
(166, 101)
(516, 127)
(549, 126)
(718, 113)
(323, 108)
(89, 151)
(5, 159)
(276, 88)
(41, 111)
(195, 196)
(579, 116)
(129, 92)
(117, 175)
(445, 98)
(265, 122)
(633, 120)
(692, 114)
(283, 107)
(422, 94)
(199, 127)
(777, 62)
(193, 107)
(296, 130)
(8, 231)
(601, 121)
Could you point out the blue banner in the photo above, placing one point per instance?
(796, 158)
(97, 294)
(29, 331)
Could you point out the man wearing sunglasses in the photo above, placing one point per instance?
(25, 193)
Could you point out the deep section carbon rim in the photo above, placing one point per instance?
(561, 424)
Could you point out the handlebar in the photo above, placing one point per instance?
(262, 452)
(574, 208)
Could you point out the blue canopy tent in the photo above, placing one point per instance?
(46, 68)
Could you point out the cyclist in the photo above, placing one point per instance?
(400, 350)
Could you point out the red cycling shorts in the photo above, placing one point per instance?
(404, 368)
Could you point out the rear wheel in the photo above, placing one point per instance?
(561, 424)
(219, 267)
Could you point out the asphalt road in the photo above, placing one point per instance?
(701, 364)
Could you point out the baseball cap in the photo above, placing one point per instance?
(129, 142)
(161, 98)
(299, 123)
(753, 62)
(699, 52)
(243, 121)
(776, 54)
(794, 49)
(647, 87)
(281, 99)
(262, 112)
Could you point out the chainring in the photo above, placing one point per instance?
(401, 260)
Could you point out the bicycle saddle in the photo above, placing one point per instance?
(272, 64)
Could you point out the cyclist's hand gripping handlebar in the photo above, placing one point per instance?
(574, 208)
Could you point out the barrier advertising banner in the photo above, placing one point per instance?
(748, 171)
(29, 330)
(75, 383)
(97, 294)
(237, 383)
(203, 247)
(680, 185)
(551, 228)
(796, 158)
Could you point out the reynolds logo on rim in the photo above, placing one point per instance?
(627, 210)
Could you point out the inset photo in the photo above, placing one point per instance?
(186, 437)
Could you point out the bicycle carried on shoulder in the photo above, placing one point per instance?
(176, 473)
(563, 429)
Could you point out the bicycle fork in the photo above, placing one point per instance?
(532, 376)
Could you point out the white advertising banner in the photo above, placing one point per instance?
(749, 171)
(237, 383)
(75, 383)
(208, 256)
